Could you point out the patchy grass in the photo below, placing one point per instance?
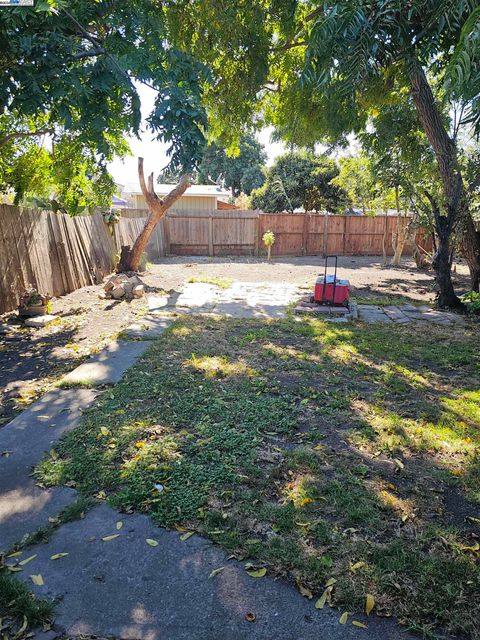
(316, 451)
(222, 283)
(20, 610)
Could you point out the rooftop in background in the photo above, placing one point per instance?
(194, 191)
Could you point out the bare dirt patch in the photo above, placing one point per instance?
(34, 359)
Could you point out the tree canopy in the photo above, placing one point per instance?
(300, 179)
(240, 171)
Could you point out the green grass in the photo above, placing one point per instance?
(306, 448)
(223, 283)
(20, 611)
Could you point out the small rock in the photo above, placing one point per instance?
(138, 291)
(37, 322)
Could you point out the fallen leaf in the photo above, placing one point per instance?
(355, 567)
(399, 464)
(259, 573)
(472, 549)
(306, 593)
(344, 618)
(356, 623)
(250, 617)
(330, 582)
(186, 536)
(320, 603)
(14, 569)
(472, 519)
(38, 580)
(112, 537)
(215, 572)
(27, 560)
(15, 555)
(369, 603)
(151, 542)
(57, 556)
(119, 525)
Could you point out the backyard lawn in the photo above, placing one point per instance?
(343, 458)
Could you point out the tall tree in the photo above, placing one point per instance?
(322, 68)
(239, 170)
(353, 53)
(300, 179)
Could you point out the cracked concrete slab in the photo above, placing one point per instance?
(108, 366)
(130, 590)
(24, 507)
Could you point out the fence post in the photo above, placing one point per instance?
(257, 236)
(210, 235)
(306, 219)
(325, 234)
(167, 234)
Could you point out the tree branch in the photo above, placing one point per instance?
(88, 54)
(24, 134)
(141, 178)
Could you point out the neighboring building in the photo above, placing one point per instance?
(198, 197)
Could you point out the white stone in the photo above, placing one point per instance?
(38, 322)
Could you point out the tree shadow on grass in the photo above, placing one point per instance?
(238, 423)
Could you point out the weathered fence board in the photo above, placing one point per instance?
(51, 252)
(57, 254)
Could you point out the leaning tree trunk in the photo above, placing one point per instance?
(157, 207)
(453, 190)
(470, 245)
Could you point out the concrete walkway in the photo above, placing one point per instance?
(122, 586)
(405, 314)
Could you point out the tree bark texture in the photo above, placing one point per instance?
(157, 208)
(453, 189)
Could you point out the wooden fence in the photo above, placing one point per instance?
(222, 233)
(52, 252)
(57, 254)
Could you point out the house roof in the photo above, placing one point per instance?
(206, 190)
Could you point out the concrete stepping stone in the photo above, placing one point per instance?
(148, 328)
(127, 589)
(372, 314)
(24, 507)
(108, 366)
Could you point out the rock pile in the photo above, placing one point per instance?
(123, 286)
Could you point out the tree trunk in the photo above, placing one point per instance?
(453, 190)
(470, 244)
(157, 208)
(442, 265)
